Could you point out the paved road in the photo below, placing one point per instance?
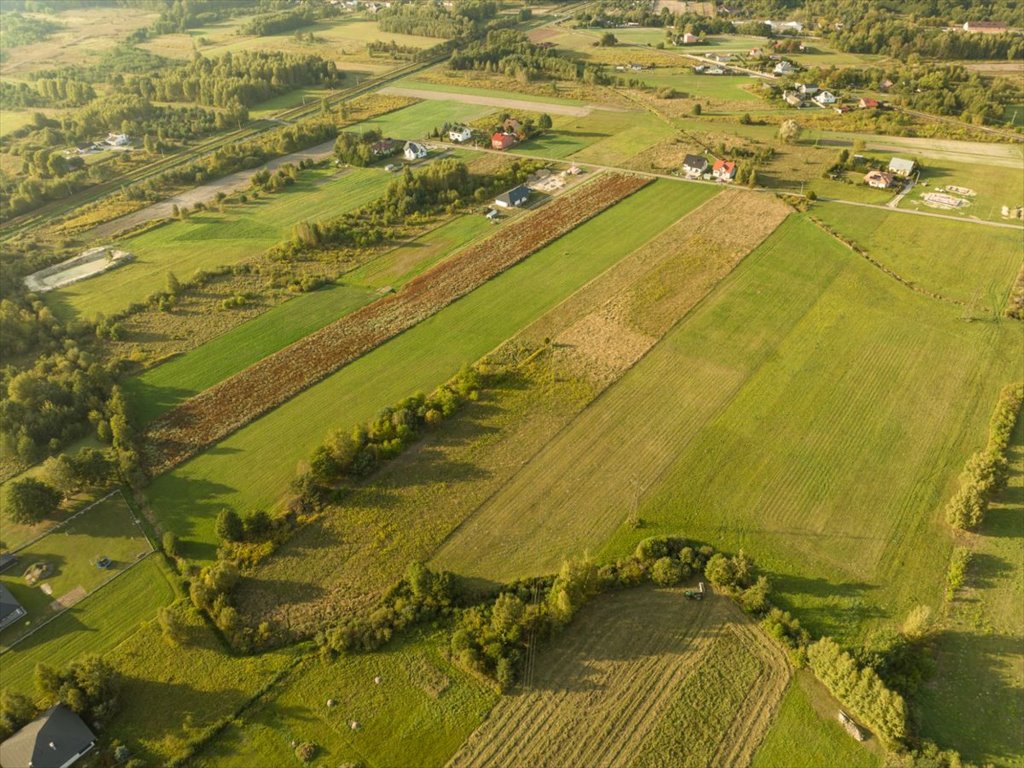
(204, 193)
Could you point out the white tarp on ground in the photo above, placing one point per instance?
(88, 263)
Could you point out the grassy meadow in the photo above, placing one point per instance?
(417, 120)
(753, 425)
(169, 384)
(978, 271)
(602, 137)
(418, 715)
(807, 734)
(211, 239)
(252, 467)
(97, 624)
(71, 551)
(975, 704)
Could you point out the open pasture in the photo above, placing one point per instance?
(419, 713)
(807, 734)
(971, 264)
(98, 624)
(252, 467)
(978, 648)
(771, 407)
(417, 120)
(71, 555)
(993, 188)
(211, 239)
(642, 677)
(602, 137)
(422, 81)
(169, 384)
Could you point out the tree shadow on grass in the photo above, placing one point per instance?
(65, 624)
(834, 606)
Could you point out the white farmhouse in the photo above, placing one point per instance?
(414, 151)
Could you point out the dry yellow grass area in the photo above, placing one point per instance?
(591, 94)
(610, 323)
(615, 689)
(86, 34)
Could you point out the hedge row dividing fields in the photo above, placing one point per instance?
(235, 402)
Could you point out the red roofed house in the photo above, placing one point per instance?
(867, 103)
(502, 140)
(723, 170)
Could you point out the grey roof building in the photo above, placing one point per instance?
(55, 739)
(513, 198)
(10, 608)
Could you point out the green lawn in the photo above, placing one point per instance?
(716, 87)
(213, 239)
(96, 625)
(106, 529)
(801, 736)
(288, 100)
(167, 385)
(175, 694)
(994, 188)
(979, 270)
(975, 704)
(252, 467)
(419, 119)
(397, 267)
(426, 85)
(757, 423)
(419, 714)
(602, 137)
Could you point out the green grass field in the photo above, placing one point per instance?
(715, 87)
(979, 645)
(211, 239)
(978, 270)
(804, 736)
(754, 425)
(605, 138)
(418, 715)
(417, 120)
(176, 694)
(397, 267)
(106, 529)
(167, 385)
(252, 468)
(96, 625)
(994, 188)
(423, 84)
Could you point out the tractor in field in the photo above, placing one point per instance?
(695, 594)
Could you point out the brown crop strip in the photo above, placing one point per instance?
(220, 410)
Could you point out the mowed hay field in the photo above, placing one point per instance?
(965, 262)
(802, 412)
(419, 713)
(253, 467)
(643, 677)
(167, 385)
(417, 120)
(602, 137)
(213, 239)
(96, 625)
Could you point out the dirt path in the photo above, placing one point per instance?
(204, 193)
(495, 101)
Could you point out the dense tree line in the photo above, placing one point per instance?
(245, 77)
(466, 19)
(986, 471)
(511, 53)
(274, 23)
(392, 50)
(45, 92)
(357, 148)
(183, 15)
(23, 30)
(88, 686)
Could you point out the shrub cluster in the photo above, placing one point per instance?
(957, 573)
(210, 591)
(421, 596)
(985, 472)
(89, 686)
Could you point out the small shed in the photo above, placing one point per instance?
(868, 103)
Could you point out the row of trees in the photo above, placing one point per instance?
(985, 472)
(274, 23)
(510, 52)
(464, 20)
(45, 92)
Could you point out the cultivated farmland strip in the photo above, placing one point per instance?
(220, 410)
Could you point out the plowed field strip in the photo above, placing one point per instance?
(226, 407)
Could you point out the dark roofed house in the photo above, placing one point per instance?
(10, 609)
(513, 198)
(55, 739)
(695, 165)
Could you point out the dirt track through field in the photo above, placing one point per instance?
(495, 101)
(233, 403)
(600, 691)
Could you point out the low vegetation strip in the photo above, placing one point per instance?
(235, 402)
